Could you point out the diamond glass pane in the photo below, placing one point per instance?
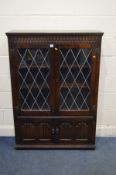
(75, 74)
(33, 72)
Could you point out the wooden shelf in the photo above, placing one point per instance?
(34, 87)
(33, 66)
(80, 85)
(47, 67)
(74, 66)
(67, 85)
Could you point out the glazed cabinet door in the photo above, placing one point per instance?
(75, 85)
(34, 80)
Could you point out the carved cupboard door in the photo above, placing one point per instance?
(75, 130)
(35, 130)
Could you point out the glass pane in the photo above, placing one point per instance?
(75, 74)
(33, 71)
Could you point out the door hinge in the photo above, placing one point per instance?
(16, 110)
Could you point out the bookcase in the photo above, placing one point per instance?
(54, 79)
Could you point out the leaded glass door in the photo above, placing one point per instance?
(34, 79)
(75, 75)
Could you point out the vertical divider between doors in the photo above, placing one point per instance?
(51, 81)
(54, 76)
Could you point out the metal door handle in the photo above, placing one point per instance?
(55, 48)
(94, 56)
(57, 130)
(53, 130)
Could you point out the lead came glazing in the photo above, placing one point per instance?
(33, 73)
(75, 74)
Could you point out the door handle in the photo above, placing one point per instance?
(53, 130)
(94, 56)
(57, 130)
(55, 48)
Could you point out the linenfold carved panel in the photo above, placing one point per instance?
(65, 131)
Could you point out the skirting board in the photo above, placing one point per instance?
(102, 130)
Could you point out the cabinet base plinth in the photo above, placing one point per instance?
(52, 146)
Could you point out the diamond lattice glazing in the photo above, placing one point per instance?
(33, 74)
(75, 73)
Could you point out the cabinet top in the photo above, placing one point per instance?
(34, 32)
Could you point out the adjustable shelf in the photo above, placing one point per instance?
(76, 85)
(74, 66)
(33, 66)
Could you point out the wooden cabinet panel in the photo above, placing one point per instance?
(57, 131)
(75, 130)
(35, 132)
(27, 131)
(65, 131)
(84, 131)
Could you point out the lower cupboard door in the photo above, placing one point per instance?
(75, 132)
(35, 132)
